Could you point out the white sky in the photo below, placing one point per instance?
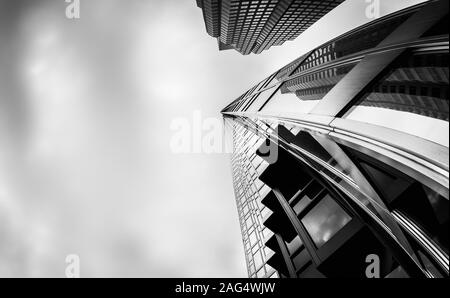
(85, 111)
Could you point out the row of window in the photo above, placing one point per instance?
(251, 212)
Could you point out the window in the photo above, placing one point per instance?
(260, 99)
(421, 112)
(289, 103)
(301, 259)
(325, 220)
(258, 260)
(294, 245)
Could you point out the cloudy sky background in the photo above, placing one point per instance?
(85, 113)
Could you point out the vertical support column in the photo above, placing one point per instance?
(301, 231)
(286, 256)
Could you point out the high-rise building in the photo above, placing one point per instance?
(341, 158)
(256, 25)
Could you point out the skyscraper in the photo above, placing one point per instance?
(341, 158)
(256, 25)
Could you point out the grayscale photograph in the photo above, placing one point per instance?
(224, 146)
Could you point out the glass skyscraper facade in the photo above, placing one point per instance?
(256, 25)
(342, 156)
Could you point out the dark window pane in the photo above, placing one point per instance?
(294, 245)
(325, 220)
(440, 28)
(399, 272)
(311, 272)
(301, 259)
(301, 205)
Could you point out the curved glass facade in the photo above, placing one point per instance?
(343, 154)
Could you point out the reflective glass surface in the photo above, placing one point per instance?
(301, 205)
(289, 103)
(325, 220)
(301, 259)
(314, 86)
(260, 100)
(415, 93)
(294, 245)
(359, 40)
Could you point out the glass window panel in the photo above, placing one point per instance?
(264, 191)
(399, 272)
(361, 39)
(294, 245)
(382, 179)
(255, 249)
(258, 260)
(252, 269)
(325, 220)
(274, 275)
(265, 212)
(301, 259)
(313, 189)
(262, 167)
(415, 94)
(249, 222)
(261, 273)
(253, 239)
(316, 86)
(311, 272)
(260, 100)
(290, 103)
(301, 205)
(438, 29)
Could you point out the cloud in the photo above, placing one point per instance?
(85, 166)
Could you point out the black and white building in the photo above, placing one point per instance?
(341, 158)
(254, 25)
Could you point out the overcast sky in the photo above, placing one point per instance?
(85, 114)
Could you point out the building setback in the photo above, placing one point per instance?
(341, 158)
(256, 25)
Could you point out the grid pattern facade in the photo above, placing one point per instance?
(290, 20)
(256, 25)
(249, 191)
(211, 15)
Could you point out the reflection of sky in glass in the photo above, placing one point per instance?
(294, 245)
(428, 128)
(261, 100)
(325, 220)
(301, 205)
(289, 103)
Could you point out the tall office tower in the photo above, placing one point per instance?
(341, 158)
(256, 25)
